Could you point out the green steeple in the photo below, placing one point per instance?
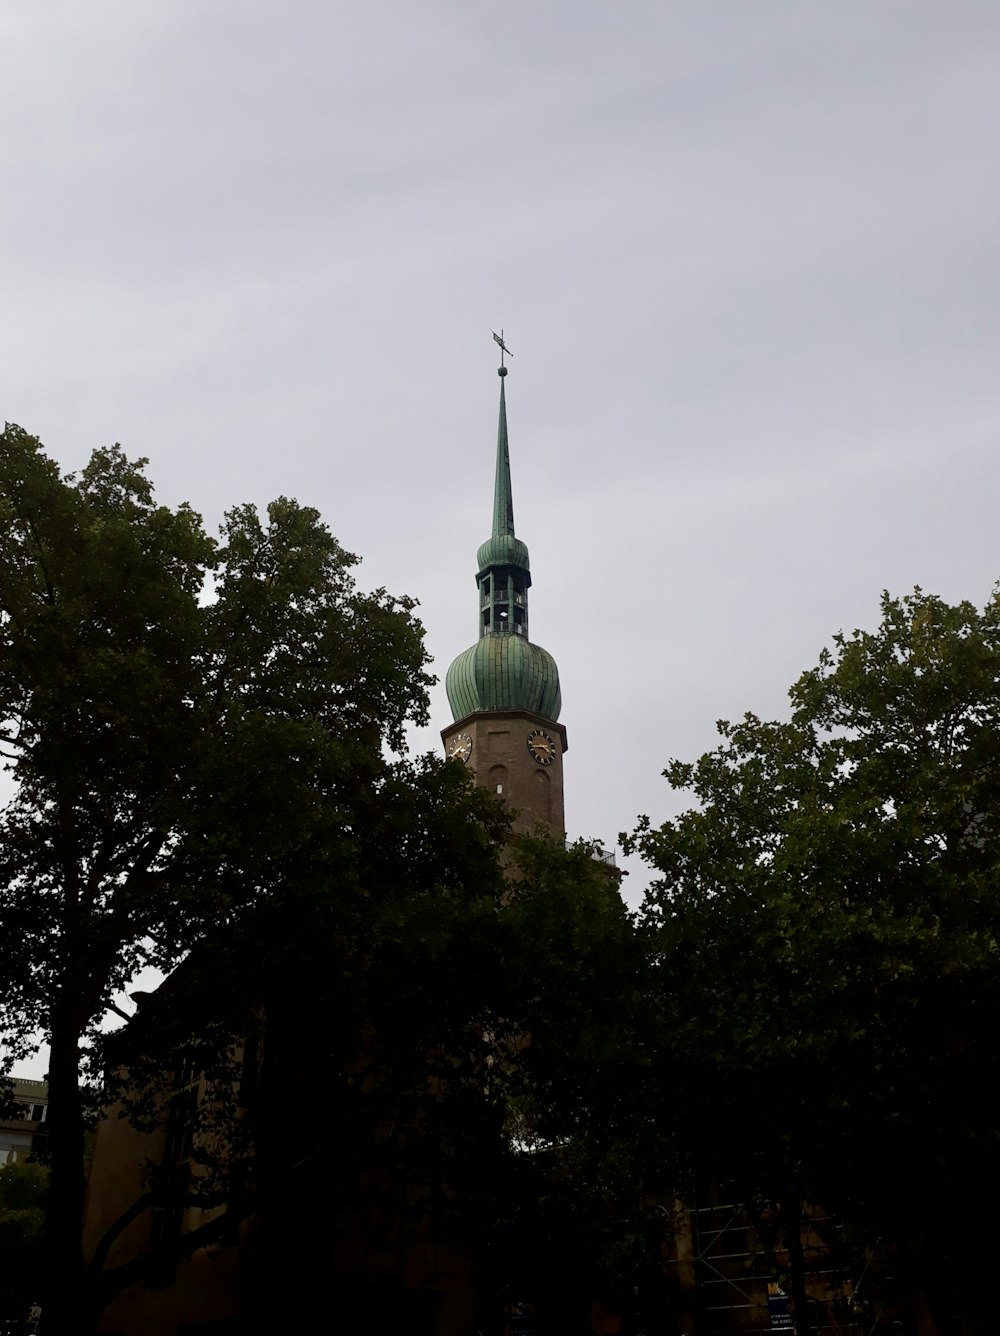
(503, 549)
(503, 500)
(504, 670)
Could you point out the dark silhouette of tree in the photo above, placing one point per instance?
(825, 931)
(191, 726)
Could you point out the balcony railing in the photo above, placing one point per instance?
(599, 855)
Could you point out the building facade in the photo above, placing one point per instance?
(30, 1101)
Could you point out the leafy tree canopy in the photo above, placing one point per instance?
(449, 1031)
(190, 725)
(178, 715)
(825, 927)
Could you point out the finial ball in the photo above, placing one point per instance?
(501, 371)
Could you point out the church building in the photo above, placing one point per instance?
(504, 690)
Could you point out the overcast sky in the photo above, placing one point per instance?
(747, 257)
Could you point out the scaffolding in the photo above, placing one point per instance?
(727, 1254)
(736, 1258)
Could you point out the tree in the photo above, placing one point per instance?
(445, 1031)
(190, 726)
(826, 932)
(577, 1211)
(306, 993)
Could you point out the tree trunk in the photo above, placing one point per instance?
(61, 1314)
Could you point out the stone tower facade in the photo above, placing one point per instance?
(504, 690)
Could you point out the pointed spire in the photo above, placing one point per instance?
(503, 670)
(504, 574)
(503, 500)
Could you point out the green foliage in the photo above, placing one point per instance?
(572, 1203)
(826, 931)
(23, 1189)
(454, 1035)
(22, 1205)
(176, 715)
(190, 726)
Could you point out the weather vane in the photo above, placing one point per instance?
(503, 347)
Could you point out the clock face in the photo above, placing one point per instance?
(542, 747)
(460, 747)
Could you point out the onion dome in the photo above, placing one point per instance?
(504, 672)
(502, 550)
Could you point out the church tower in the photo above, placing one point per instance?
(504, 690)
